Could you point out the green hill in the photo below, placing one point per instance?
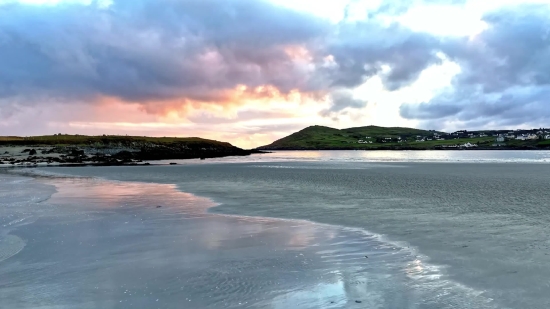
(397, 138)
(320, 137)
(107, 140)
(134, 147)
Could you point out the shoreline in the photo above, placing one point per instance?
(378, 156)
(465, 250)
(412, 149)
(226, 206)
(37, 156)
(421, 279)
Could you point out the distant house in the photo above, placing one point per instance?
(468, 145)
(532, 136)
(500, 139)
(547, 137)
(521, 137)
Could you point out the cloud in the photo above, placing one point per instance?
(364, 49)
(505, 73)
(194, 51)
(339, 101)
(142, 51)
(237, 62)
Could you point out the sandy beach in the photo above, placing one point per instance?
(439, 235)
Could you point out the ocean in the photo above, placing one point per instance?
(293, 229)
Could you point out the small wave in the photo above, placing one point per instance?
(10, 245)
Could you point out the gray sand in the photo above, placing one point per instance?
(100, 244)
(484, 224)
(455, 236)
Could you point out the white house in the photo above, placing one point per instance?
(521, 137)
(500, 139)
(532, 136)
(547, 137)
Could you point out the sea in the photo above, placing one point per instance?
(287, 229)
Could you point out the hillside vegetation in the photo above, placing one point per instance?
(320, 137)
(391, 138)
(107, 140)
(111, 149)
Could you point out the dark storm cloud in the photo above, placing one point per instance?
(362, 49)
(148, 50)
(505, 73)
(198, 50)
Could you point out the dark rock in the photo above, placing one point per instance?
(158, 206)
(32, 152)
(26, 150)
(146, 163)
(125, 155)
(358, 301)
(173, 163)
(76, 153)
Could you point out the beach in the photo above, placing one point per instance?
(350, 235)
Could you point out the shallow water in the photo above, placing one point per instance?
(454, 235)
(107, 244)
(443, 156)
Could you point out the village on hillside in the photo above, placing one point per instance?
(500, 137)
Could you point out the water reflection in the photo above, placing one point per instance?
(534, 156)
(108, 245)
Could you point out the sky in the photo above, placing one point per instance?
(251, 71)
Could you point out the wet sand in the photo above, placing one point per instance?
(108, 244)
(483, 225)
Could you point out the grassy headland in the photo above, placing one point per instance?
(398, 138)
(110, 149)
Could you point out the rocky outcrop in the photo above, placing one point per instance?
(125, 151)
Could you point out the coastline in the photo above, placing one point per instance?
(406, 148)
(43, 155)
(459, 236)
(322, 247)
(447, 238)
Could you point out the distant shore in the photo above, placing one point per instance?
(406, 148)
(78, 150)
